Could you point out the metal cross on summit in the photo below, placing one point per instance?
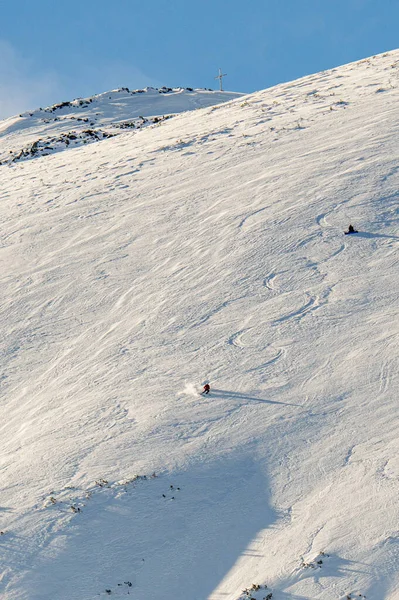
(220, 77)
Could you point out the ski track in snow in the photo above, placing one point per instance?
(312, 304)
(236, 338)
(207, 247)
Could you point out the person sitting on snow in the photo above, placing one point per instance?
(351, 229)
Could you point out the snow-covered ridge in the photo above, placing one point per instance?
(44, 131)
(77, 137)
(181, 99)
(210, 248)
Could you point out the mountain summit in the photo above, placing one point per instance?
(204, 248)
(66, 125)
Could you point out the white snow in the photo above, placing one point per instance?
(85, 120)
(207, 248)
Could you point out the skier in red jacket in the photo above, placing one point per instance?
(207, 388)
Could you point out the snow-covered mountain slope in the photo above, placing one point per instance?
(69, 124)
(210, 247)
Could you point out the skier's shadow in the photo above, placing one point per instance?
(237, 396)
(366, 234)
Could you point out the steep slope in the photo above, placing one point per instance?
(208, 248)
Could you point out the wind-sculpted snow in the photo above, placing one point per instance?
(66, 125)
(209, 248)
(75, 138)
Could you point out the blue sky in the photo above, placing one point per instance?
(52, 50)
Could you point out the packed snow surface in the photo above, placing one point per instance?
(205, 247)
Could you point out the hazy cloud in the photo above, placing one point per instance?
(22, 86)
(104, 76)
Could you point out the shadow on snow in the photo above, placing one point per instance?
(366, 234)
(238, 396)
(170, 548)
